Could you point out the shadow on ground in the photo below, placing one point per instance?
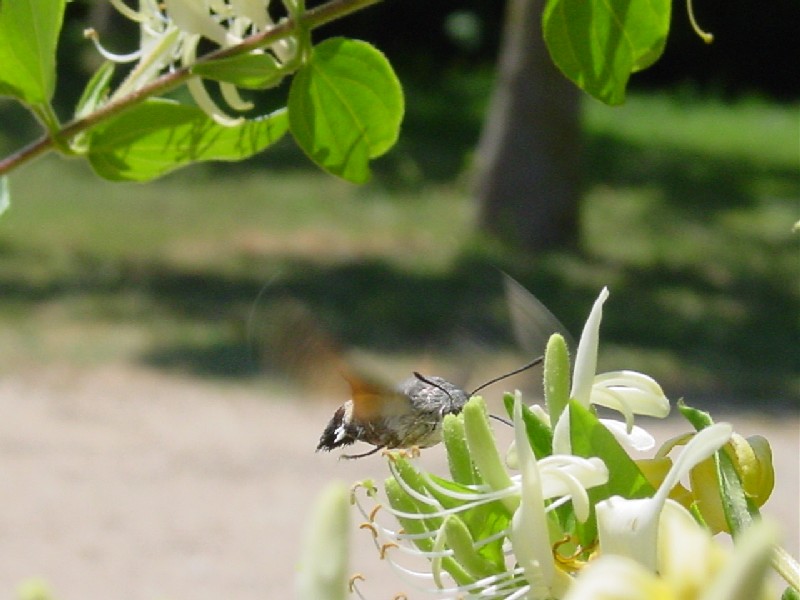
(377, 306)
(741, 352)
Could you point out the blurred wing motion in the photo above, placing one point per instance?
(531, 322)
(387, 416)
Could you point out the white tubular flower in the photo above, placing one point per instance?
(434, 515)
(170, 32)
(529, 534)
(628, 392)
(630, 527)
(691, 566)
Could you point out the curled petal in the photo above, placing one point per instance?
(193, 17)
(630, 392)
(629, 527)
(634, 439)
(231, 95)
(205, 102)
(254, 10)
(92, 36)
(128, 12)
(612, 577)
(701, 446)
(572, 479)
(586, 355)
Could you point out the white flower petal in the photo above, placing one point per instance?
(231, 95)
(630, 527)
(687, 554)
(529, 535)
(562, 444)
(743, 577)
(637, 439)
(638, 391)
(128, 12)
(541, 414)
(255, 10)
(699, 448)
(586, 355)
(616, 578)
(205, 102)
(193, 16)
(589, 472)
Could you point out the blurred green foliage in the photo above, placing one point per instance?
(687, 217)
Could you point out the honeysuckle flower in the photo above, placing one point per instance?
(628, 392)
(691, 566)
(511, 511)
(170, 31)
(629, 527)
(322, 571)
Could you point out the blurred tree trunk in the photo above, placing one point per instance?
(528, 171)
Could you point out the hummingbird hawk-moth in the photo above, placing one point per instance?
(411, 414)
(407, 415)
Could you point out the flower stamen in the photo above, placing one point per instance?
(385, 547)
(351, 585)
(370, 527)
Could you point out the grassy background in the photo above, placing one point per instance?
(687, 218)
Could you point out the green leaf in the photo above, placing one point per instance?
(739, 510)
(159, 136)
(699, 419)
(589, 437)
(345, 107)
(28, 37)
(540, 435)
(599, 43)
(250, 71)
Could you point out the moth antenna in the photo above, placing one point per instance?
(424, 379)
(533, 363)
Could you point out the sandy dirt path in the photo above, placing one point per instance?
(127, 484)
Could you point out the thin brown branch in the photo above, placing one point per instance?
(313, 18)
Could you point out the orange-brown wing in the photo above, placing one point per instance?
(294, 344)
(372, 399)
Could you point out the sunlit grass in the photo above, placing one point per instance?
(687, 216)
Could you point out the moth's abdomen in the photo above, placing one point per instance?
(339, 431)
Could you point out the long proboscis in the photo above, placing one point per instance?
(530, 365)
